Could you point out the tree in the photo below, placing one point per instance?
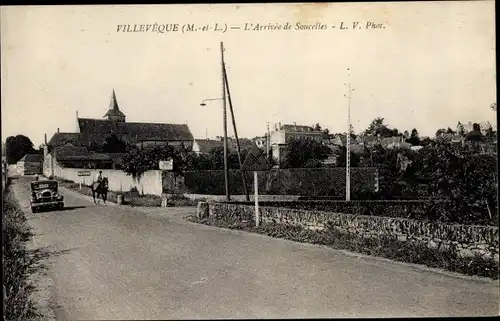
(317, 127)
(468, 180)
(475, 135)
(137, 161)
(450, 131)
(377, 127)
(460, 129)
(113, 144)
(493, 106)
(351, 132)
(18, 146)
(414, 138)
(300, 152)
(440, 131)
(341, 158)
(326, 134)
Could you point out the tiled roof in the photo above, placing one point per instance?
(32, 158)
(97, 130)
(67, 152)
(206, 145)
(61, 139)
(297, 128)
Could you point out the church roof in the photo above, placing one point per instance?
(98, 129)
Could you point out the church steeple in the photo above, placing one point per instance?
(114, 112)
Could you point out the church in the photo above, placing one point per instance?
(92, 133)
(83, 148)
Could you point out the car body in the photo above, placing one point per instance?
(45, 194)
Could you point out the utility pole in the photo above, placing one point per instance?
(348, 145)
(238, 150)
(268, 141)
(226, 168)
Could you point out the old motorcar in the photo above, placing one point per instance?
(45, 194)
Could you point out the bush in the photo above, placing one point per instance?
(384, 246)
(18, 262)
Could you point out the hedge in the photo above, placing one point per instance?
(298, 181)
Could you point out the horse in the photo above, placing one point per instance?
(101, 189)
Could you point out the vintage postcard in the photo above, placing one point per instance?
(146, 146)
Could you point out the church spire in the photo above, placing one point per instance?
(114, 112)
(113, 104)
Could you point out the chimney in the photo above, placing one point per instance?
(45, 139)
(58, 130)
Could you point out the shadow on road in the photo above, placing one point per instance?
(69, 208)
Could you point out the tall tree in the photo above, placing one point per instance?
(18, 146)
(440, 131)
(302, 152)
(475, 135)
(414, 138)
(460, 129)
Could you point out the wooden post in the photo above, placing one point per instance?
(256, 190)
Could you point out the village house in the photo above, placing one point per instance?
(205, 146)
(283, 134)
(30, 164)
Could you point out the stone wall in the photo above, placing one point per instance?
(467, 239)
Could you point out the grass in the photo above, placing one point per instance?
(384, 246)
(132, 197)
(18, 262)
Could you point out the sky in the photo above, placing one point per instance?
(432, 65)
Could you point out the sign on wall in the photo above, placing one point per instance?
(83, 173)
(166, 165)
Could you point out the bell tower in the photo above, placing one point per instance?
(114, 112)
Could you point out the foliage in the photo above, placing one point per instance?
(18, 262)
(414, 138)
(382, 246)
(341, 155)
(113, 144)
(296, 181)
(475, 135)
(304, 153)
(18, 146)
(467, 178)
(137, 161)
(378, 128)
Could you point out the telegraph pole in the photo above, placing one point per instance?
(348, 144)
(268, 141)
(238, 150)
(226, 168)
